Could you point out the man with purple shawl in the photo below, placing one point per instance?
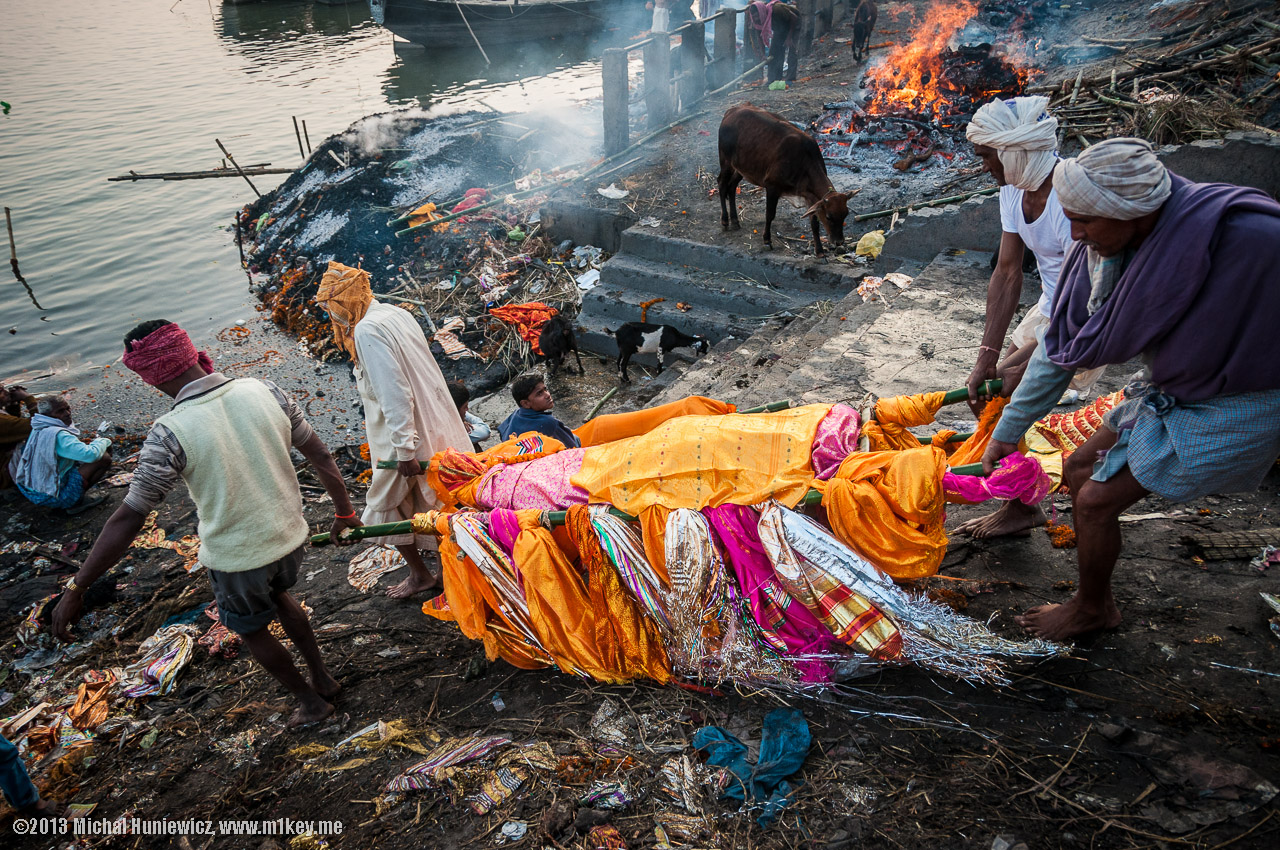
(1185, 276)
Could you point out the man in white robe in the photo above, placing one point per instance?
(409, 414)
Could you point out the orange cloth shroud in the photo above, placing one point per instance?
(628, 640)
(889, 508)
(471, 601)
(619, 426)
(560, 608)
(894, 415)
(527, 318)
(700, 461)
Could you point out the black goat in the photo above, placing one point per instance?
(648, 338)
(556, 340)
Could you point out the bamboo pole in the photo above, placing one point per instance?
(954, 199)
(232, 160)
(13, 248)
(599, 404)
(252, 170)
(298, 132)
(306, 136)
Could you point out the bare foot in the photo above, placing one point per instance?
(311, 711)
(326, 686)
(1011, 519)
(46, 809)
(415, 584)
(1069, 620)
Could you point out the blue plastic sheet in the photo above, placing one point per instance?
(784, 745)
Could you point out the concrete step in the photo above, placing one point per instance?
(730, 292)
(922, 338)
(778, 270)
(709, 316)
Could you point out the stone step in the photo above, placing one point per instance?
(729, 291)
(775, 269)
(842, 351)
(607, 307)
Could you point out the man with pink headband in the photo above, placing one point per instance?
(229, 440)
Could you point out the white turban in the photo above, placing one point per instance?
(1118, 178)
(1024, 135)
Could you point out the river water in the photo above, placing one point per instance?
(101, 87)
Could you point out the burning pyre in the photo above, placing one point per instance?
(927, 89)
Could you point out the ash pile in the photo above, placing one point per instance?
(368, 197)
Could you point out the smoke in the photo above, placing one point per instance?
(378, 132)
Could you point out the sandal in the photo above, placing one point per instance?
(85, 503)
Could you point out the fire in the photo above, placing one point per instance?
(909, 79)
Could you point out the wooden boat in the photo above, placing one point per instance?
(460, 23)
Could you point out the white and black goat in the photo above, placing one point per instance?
(647, 338)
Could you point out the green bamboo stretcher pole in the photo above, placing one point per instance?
(557, 518)
(991, 388)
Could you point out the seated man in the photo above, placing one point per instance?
(14, 427)
(1183, 275)
(477, 430)
(534, 399)
(55, 467)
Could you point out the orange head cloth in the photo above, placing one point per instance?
(346, 295)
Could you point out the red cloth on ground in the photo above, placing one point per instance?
(528, 319)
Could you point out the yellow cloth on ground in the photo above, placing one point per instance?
(701, 461)
(619, 426)
(889, 508)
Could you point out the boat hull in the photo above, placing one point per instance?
(439, 23)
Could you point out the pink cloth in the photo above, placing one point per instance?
(543, 484)
(787, 625)
(835, 440)
(1016, 477)
(764, 21)
(164, 354)
(504, 528)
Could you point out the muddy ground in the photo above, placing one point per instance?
(1158, 734)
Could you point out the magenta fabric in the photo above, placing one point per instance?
(544, 484)
(835, 440)
(1198, 300)
(1016, 477)
(787, 625)
(504, 528)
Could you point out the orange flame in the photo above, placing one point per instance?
(908, 79)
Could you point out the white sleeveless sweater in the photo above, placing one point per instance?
(236, 439)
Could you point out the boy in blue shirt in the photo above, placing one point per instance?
(534, 400)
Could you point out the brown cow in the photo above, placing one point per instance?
(770, 152)
(864, 21)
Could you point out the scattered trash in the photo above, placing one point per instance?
(608, 794)
(869, 289)
(371, 564)
(1204, 789)
(1268, 557)
(784, 745)
(514, 830)
(680, 780)
(123, 479)
(612, 192)
(778, 85)
(870, 245)
(649, 221)
(588, 280)
(604, 837)
(899, 279)
(498, 704)
(1274, 602)
(586, 255)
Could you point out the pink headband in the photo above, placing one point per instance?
(164, 354)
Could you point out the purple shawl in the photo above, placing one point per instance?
(1201, 297)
